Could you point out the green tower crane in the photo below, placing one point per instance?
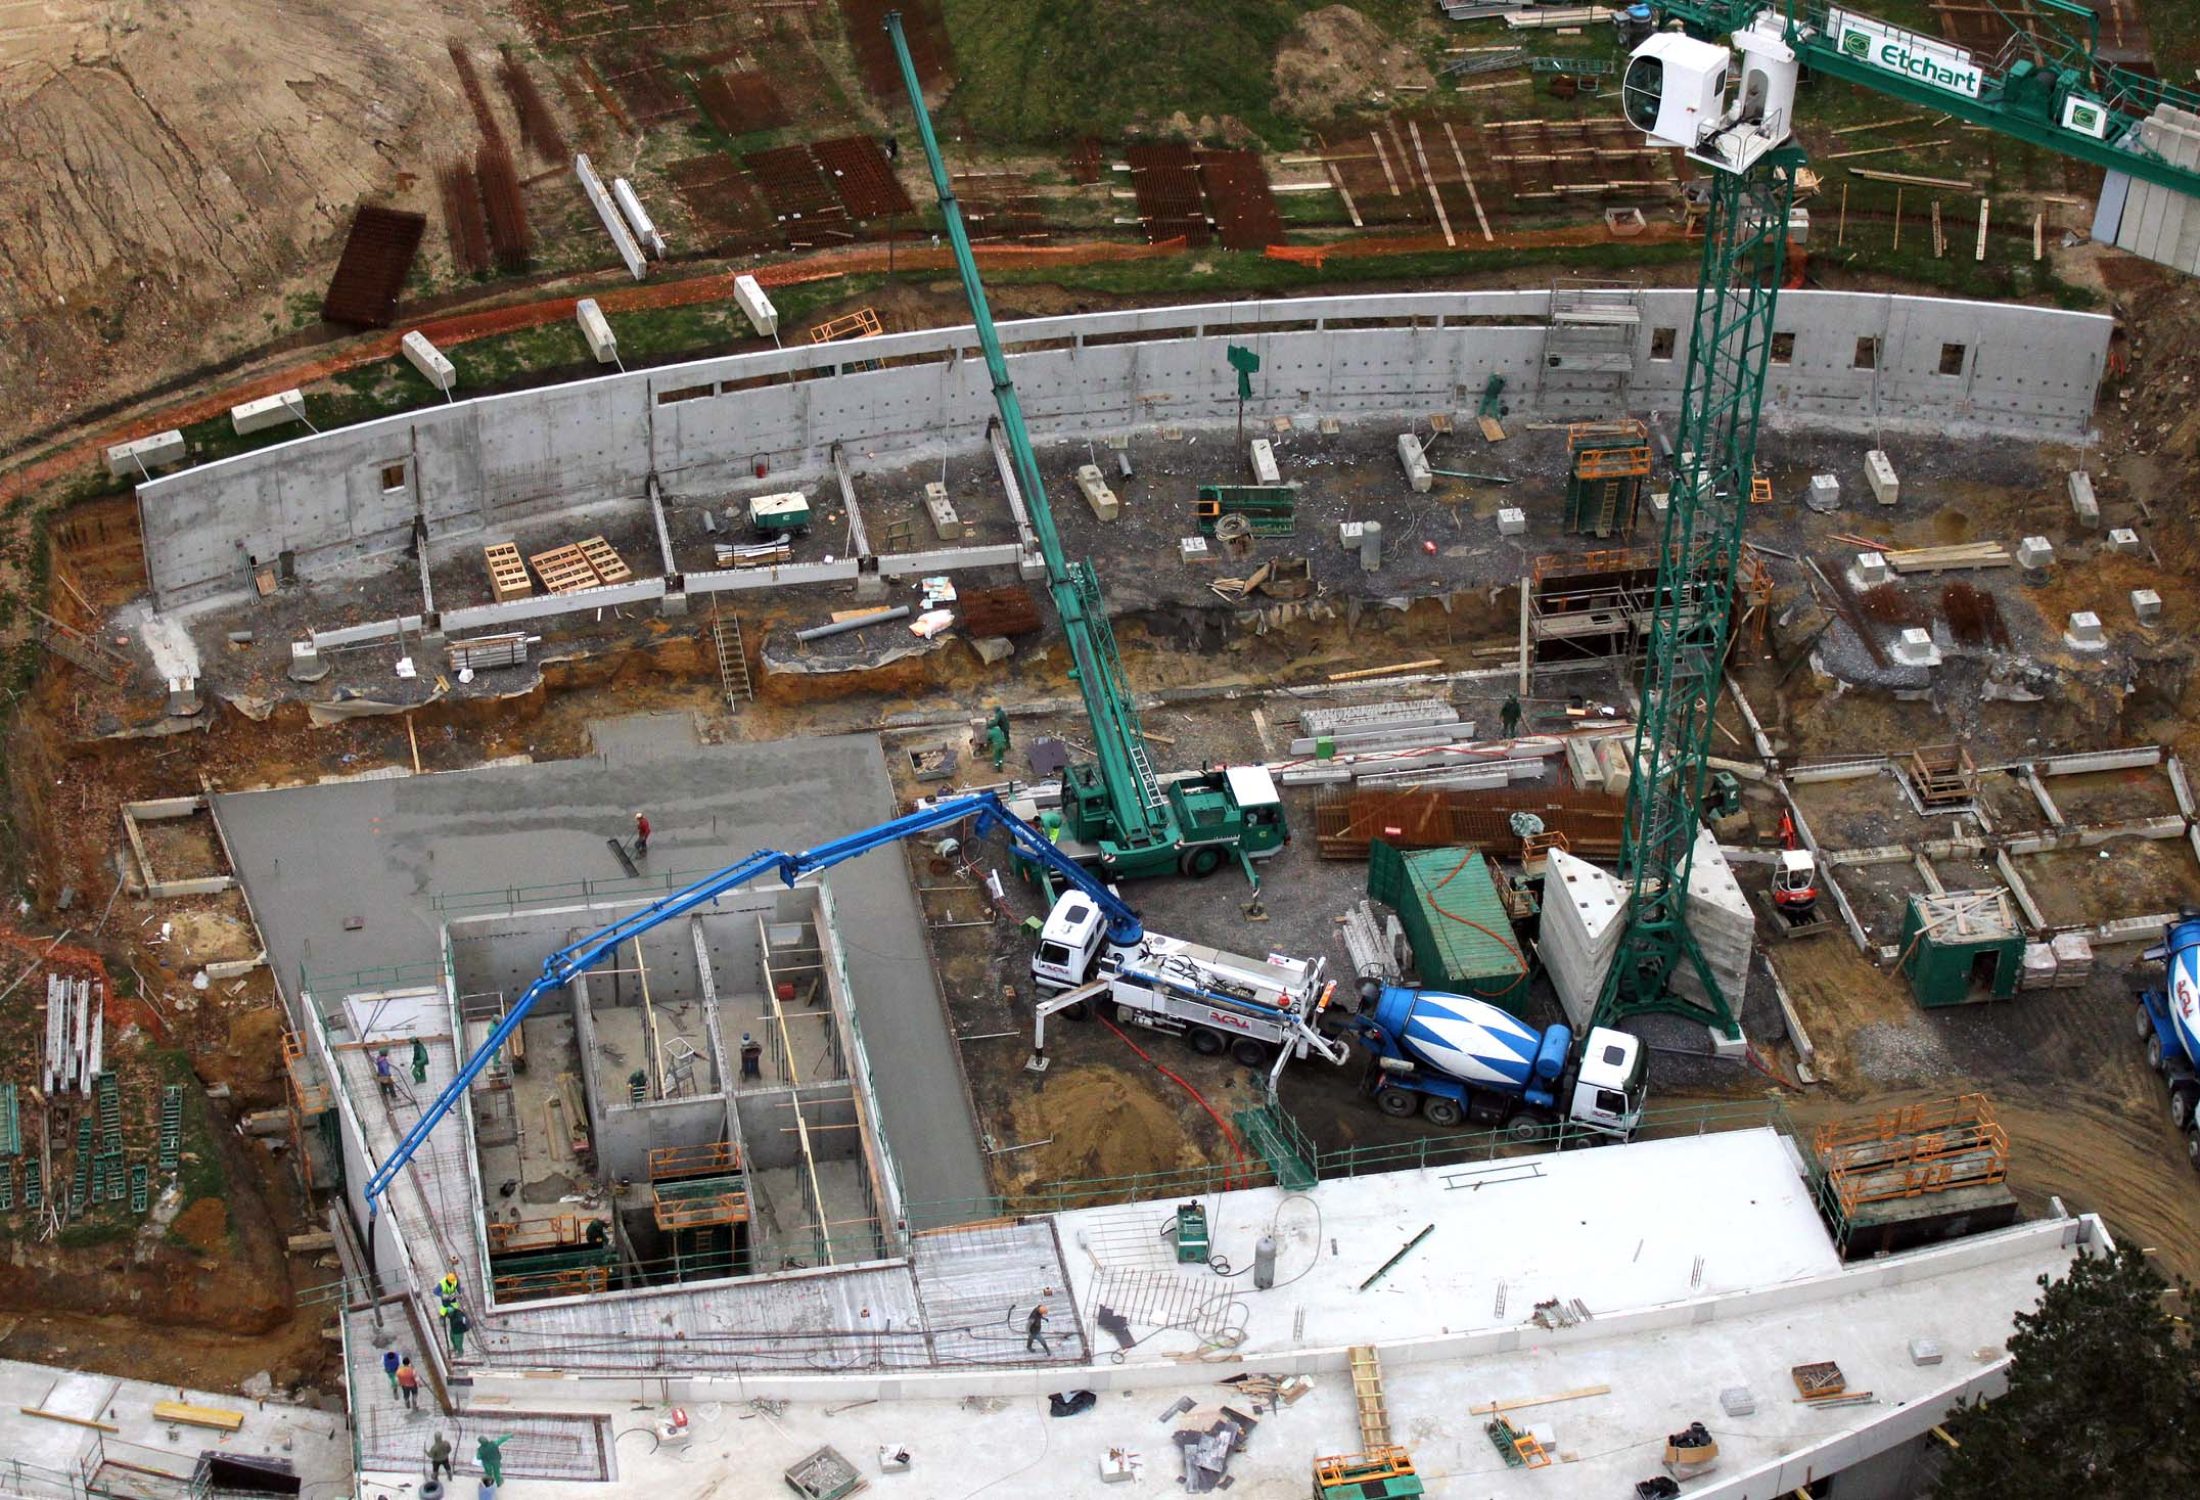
(1117, 811)
(2047, 88)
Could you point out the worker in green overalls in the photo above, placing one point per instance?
(996, 737)
(420, 1061)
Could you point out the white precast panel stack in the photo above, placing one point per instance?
(1720, 919)
(1584, 915)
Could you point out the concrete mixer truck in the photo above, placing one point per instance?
(2169, 1023)
(1457, 1059)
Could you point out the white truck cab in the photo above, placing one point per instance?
(1608, 1085)
(1068, 942)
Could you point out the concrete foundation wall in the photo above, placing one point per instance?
(487, 465)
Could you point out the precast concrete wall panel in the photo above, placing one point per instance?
(498, 462)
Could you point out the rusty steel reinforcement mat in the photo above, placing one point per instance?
(924, 27)
(794, 185)
(509, 235)
(863, 177)
(723, 201)
(1165, 176)
(644, 84)
(538, 123)
(1346, 823)
(739, 103)
(462, 219)
(378, 255)
(1246, 217)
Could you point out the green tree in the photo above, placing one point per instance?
(2103, 1398)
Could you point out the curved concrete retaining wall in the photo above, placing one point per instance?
(490, 464)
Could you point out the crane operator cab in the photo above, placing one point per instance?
(1675, 92)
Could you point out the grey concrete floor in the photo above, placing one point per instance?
(383, 852)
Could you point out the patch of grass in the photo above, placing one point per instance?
(85, 1233)
(1039, 70)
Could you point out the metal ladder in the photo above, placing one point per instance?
(733, 660)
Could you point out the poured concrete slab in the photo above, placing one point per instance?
(399, 857)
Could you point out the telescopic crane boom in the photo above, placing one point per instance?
(1136, 821)
(563, 966)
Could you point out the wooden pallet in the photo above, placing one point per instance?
(609, 566)
(508, 578)
(564, 570)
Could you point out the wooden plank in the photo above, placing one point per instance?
(1953, 184)
(1473, 197)
(1882, 150)
(1982, 207)
(216, 1417)
(60, 1416)
(1885, 124)
(1423, 665)
(1443, 220)
(1573, 1395)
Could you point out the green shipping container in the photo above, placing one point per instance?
(1448, 903)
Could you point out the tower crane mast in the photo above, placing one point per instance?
(1680, 88)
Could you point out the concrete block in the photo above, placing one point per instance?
(1264, 462)
(1825, 492)
(614, 223)
(1096, 492)
(1879, 474)
(1371, 545)
(1925, 1351)
(2147, 605)
(268, 411)
(2123, 539)
(1871, 570)
(942, 511)
(1915, 648)
(1737, 1401)
(1415, 463)
(1729, 1048)
(2034, 553)
(2082, 504)
(596, 328)
(305, 663)
(2085, 632)
(1512, 521)
(993, 649)
(1194, 549)
(130, 460)
(428, 360)
(1660, 502)
(748, 292)
(1348, 535)
(637, 217)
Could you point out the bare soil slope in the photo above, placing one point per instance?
(179, 169)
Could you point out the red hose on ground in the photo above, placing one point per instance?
(1229, 1136)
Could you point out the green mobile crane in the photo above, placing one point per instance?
(2045, 87)
(1117, 813)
